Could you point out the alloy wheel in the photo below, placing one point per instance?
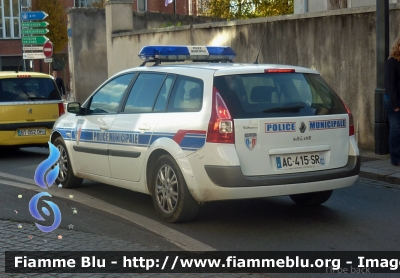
(167, 189)
(63, 163)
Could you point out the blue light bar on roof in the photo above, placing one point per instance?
(173, 53)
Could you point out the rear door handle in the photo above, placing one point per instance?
(104, 127)
(144, 127)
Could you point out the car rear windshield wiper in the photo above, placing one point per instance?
(33, 98)
(284, 108)
(29, 96)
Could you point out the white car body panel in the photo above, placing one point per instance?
(183, 136)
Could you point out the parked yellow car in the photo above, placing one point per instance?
(30, 103)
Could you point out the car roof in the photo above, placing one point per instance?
(221, 68)
(14, 74)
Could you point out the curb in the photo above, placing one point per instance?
(378, 175)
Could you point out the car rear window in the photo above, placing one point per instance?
(277, 95)
(28, 89)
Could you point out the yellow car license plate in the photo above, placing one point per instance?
(31, 132)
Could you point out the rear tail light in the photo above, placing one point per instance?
(351, 122)
(220, 127)
(61, 110)
(23, 76)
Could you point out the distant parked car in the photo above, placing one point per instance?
(30, 104)
(198, 132)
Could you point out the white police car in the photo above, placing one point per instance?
(198, 132)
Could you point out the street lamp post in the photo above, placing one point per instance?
(382, 53)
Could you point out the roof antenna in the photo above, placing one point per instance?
(19, 65)
(265, 32)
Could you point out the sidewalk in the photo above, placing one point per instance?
(378, 167)
(27, 237)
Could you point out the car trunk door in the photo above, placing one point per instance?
(28, 112)
(291, 144)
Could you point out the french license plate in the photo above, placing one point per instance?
(300, 161)
(31, 132)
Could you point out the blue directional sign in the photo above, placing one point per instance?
(33, 15)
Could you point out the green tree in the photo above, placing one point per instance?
(242, 9)
(57, 20)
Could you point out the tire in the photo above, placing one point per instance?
(171, 197)
(312, 198)
(9, 149)
(66, 176)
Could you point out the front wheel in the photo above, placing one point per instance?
(312, 198)
(171, 197)
(66, 176)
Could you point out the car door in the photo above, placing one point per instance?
(91, 132)
(133, 127)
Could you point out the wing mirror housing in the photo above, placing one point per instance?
(75, 108)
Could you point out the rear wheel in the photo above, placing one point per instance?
(171, 197)
(9, 149)
(312, 198)
(66, 176)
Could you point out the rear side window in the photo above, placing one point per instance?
(187, 95)
(144, 92)
(163, 95)
(278, 95)
(28, 89)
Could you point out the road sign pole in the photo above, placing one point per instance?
(20, 33)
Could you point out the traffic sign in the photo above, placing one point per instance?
(48, 60)
(33, 55)
(34, 40)
(27, 48)
(25, 24)
(48, 49)
(34, 31)
(33, 15)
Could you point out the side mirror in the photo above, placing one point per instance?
(74, 108)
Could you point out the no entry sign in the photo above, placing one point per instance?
(48, 49)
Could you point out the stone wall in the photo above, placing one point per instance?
(340, 44)
(87, 50)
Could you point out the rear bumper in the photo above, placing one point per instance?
(232, 176)
(9, 135)
(15, 126)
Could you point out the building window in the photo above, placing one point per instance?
(9, 18)
(142, 5)
(87, 3)
(202, 7)
(10, 63)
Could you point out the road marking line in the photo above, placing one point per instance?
(183, 241)
(18, 178)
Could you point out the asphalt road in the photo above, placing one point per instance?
(362, 217)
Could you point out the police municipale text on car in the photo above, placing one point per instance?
(212, 130)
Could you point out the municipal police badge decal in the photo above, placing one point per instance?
(78, 130)
(250, 140)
